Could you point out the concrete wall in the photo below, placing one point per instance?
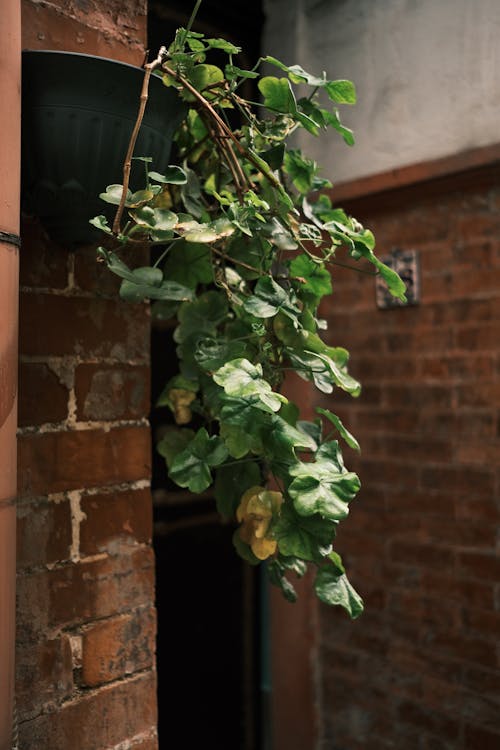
(427, 74)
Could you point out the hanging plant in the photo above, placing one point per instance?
(248, 243)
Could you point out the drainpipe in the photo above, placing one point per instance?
(10, 150)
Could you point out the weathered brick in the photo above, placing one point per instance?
(477, 738)
(58, 461)
(44, 533)
(106, 392)
(93, 276)
(48, 666)
(54, 325)
(42, 396)
(115, 519)
(117, 31)
(425, 720)
(42, 264)
(95, 721)
(120, 646)
(80, 592)
(466, 480)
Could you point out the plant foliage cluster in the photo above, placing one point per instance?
(248, 243)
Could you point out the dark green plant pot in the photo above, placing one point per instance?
(78, 114)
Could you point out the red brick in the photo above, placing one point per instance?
(106, 392)
(118, 32)
(474, 254)
(430, 721)
(478, 225)
(482, 681)
(483, 394)
(477, 738)
(466, 480)
(42, 264)
(101, 719)
(482, 282)
(115, 519)
(43, 533)
(147, 743)
(46, 665)
(482, 623)
(482, 337)
(42, 397)
(466, 649)
(482, 566)
(417, 395)
(93, 276)
(120, 646)
(84, 591)
(58, 461)
(55, 325)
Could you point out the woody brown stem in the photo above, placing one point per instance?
(127, 165)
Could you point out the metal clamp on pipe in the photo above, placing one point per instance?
(10, 238)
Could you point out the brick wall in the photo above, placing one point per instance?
(420, 668)
(85, 621)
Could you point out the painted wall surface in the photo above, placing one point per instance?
(427, 74)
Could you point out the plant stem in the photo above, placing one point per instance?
(191, 19)
(148, 69)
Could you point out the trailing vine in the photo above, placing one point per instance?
(248, 243)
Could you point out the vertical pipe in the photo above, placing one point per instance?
(10, 148)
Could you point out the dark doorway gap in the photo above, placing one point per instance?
(208, 600)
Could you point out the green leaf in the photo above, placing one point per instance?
(192, 466)
(296, 73)
(174, 440)
(189, 263)
(278, 95)
(101, 222)
(174, 175)
(144, 282)
(350, 439)
(232, 72)
(212, 353)
(395, 284)
(274, 156)
(337, 591)
(324, 486)
(193, 231)
(275, 572)
(300, 169)
(135, 291)
(305, 538)
(342, 92)
(224, 45)
(202, 76)
(113, 195)
(140, 197)
(318, 279)
(154, 218)
(238, 440)
(203, 315)
(268, 299)
(333, 120)
(241, 379)
(231, 482)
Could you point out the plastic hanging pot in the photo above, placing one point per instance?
(78, 114)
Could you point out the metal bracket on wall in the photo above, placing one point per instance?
(407, 264)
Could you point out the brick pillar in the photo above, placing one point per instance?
(86, 622)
